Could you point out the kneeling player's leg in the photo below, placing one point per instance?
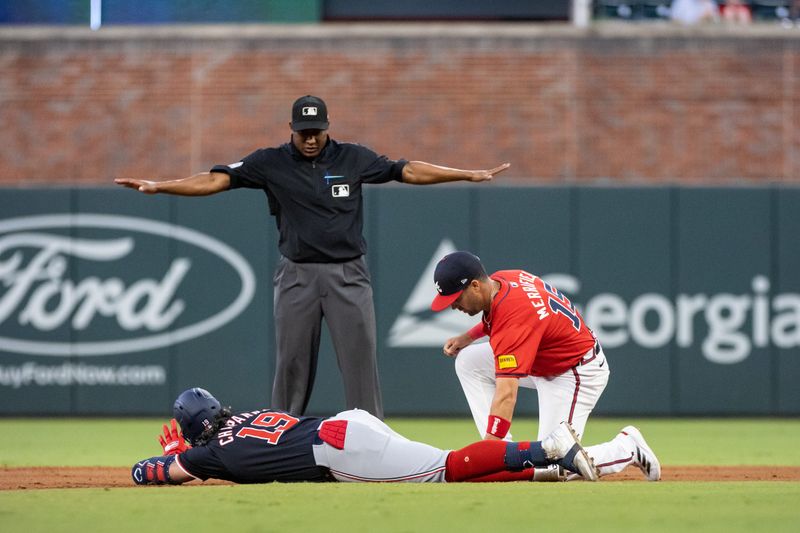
(476, 373)
(612, 456)
(571, 396)
(627, 448)
(474, 367)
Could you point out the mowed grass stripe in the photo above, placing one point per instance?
(581, 506)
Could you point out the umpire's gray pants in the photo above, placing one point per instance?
(342, 294)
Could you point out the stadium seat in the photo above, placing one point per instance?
(770, 9)
(655, 9)
(613, 9)
(631, 9)
(762, 10)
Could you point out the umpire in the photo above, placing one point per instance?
(313, 186)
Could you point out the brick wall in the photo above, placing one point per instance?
(631, 104)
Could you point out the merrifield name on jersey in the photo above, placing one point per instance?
(526, 281)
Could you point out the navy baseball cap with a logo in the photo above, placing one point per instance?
(309, 113)
(452, 275)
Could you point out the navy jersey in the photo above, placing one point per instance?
(259, 447)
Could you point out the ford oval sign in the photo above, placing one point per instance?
(66, 273)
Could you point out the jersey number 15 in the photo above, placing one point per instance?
(560, 304)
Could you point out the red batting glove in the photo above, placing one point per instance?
(172, 441)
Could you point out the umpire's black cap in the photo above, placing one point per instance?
(309, 113)
(452, 275)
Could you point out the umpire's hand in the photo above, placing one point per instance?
(145, 186)
(486, 175)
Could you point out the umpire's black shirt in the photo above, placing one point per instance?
(317, 203)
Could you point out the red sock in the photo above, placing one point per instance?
(476, 461)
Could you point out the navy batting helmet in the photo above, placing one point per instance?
(195, 410)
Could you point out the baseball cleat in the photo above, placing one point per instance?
(550, 473)
(643, 456)
(564, 447)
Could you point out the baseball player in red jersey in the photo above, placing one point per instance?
(265, 445)
(537, 339)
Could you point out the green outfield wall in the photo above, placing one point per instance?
(113, 302)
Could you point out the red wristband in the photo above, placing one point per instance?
(476, 332)
(498, 426)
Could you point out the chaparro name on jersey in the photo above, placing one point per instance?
(225, 435)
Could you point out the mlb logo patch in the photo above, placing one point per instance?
(309, 111)
(340, 191)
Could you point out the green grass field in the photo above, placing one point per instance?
(628, 506)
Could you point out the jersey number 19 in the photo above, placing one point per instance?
(273, 424)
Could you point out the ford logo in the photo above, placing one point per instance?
(38, 290)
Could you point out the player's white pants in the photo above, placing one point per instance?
(375, 452)
(569, 396)
(613, 456)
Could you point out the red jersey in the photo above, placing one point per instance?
(533, 328)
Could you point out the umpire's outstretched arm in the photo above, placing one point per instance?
(421, 173)
(202, 184)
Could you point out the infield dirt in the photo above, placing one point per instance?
(27, 478)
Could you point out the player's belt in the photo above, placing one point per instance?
(591, 357)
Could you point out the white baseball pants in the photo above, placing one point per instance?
(569, 396)
(375, 452)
